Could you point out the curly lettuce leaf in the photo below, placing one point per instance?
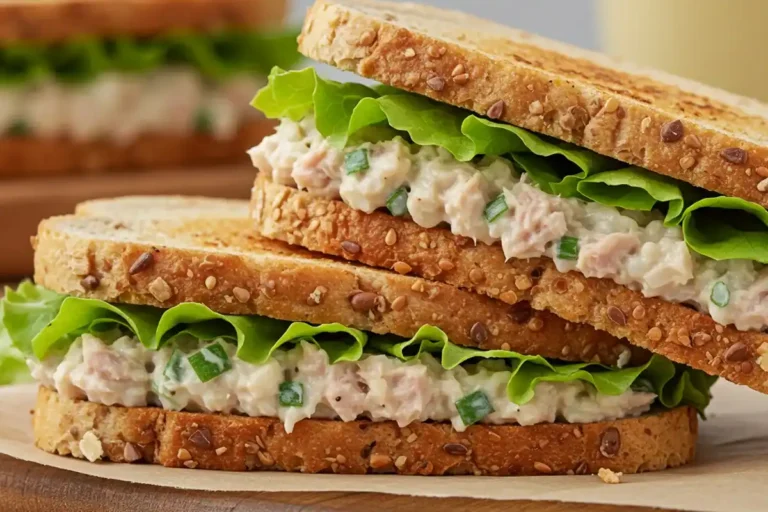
(673, 383)
(216, 56)
(724, 228)
(257, 339)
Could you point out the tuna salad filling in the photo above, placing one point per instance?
(441, 166)
(301, 383)
(193, 359)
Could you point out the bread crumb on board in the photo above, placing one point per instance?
(609, 477)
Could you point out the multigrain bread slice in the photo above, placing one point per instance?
(162, 251)
(673, 330)
(32, 156)
(607, 106)
(237, 443)
(57, 20)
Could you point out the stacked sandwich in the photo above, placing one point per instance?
(546, 279)
(93, 85)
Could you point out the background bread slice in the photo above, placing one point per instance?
(56, 20)
(651, 442)
(585, 98)
(673, 330)
(31, 156)
(205, 250)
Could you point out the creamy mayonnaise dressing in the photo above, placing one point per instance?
(122, 106)
(631, 248)
(376, 387)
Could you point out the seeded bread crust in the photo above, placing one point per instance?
(179, 439)
(30, 156)
(56, 20)
(205, 250)
(673, 330)
(719, 141)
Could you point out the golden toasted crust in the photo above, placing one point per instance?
(30, 156)
(205, 251)
(56, 20)
(648, 443)
(549, 87)
(673, 330)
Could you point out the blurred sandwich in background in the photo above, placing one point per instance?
(90, 85)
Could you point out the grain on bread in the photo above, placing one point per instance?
(32, 156)
(672, 330)
(238, 443)
(57, 20)
(705, 136)
(209, 254)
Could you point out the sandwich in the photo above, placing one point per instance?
(528, 171)
(93, 85)
(164, 330)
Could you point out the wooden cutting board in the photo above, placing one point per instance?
(24, 203)
(28, 487)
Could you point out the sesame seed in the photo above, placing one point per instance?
(536, 108)
(210, 282)
(399, 303)
(638, 313)
(535, 324)
(190, 274)
(763, 185)
(191, 464)
(506, 346)
(611, 105)
(692, 141)
(458, 70)
(183, 454)
(762, 172)
(418, 286)
(476, 276)
(461, 79)
(221, 450)
(409, 53)
(509, 297)
(391, 237)
(435, 53)
(241, 294)
(540, 466)
(401, 267)
(412, 438)
(341, 459)
(523, 282)
(400, 461)
(445, 265)
(654, 334)
(687, 162)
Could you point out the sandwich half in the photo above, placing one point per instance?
(162, 330)
(526, 170)
(94, 85)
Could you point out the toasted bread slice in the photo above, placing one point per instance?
(237, 443)
(549, 87)
(204, 250)
(673, 330)
(56, 20)
(32, 156)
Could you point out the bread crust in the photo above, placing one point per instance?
(648, 443)
(30, 156)
(672, 330)
(549, 87)
(211, 255)
(57, 20)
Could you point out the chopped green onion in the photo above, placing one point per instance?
(397, 204)
(720, 295)
(18, 129)
(356, 161)
(210, 362)
(568, 248)
(174, 369)
(203, 121)
(291, 394)
(495, 208)
(473, 407)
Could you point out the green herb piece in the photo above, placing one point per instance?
(568, 248)
(291, 394)
(495, 208)
(720, 295)
(356, 161)
(203, 121)
(474, 407)
(397, 203)
(174, 369)
(210, 362)
(18, 128)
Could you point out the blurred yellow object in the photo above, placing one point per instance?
(718, 42)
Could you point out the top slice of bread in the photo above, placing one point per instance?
(57, 20)
(204, 250)
(599, 103)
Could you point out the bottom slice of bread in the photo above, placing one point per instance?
(237, 443)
